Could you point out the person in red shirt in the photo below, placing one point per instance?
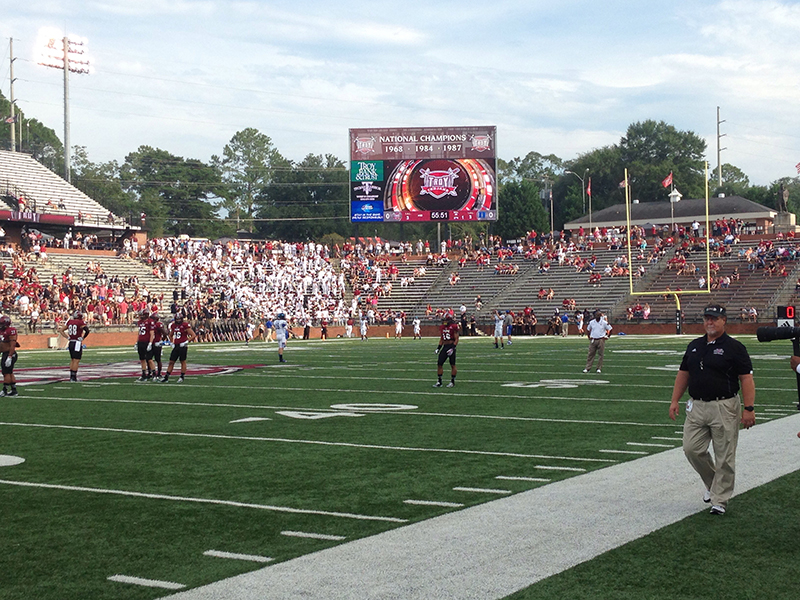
(181, 333)
(75, 330)
(144, 345)
(448, 340)
(8, 347)
(160, 335)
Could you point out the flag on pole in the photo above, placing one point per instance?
(623, 183)
(589, 188)
(11, 119)
(797, 166)
(667, 180)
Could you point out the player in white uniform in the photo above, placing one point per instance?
(363, 327)
(498, 330)
(398, 327)
(416, 323)
(251, 329)
(282, 329)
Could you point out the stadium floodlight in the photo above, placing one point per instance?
(70, 54)
(583, 192)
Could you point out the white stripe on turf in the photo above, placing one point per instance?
(167, 585)
(481, 490)
(651, 445)
(509, 478)
(622, 451)
(285, 509)
(434, 503)
(314, 536)
(235, 556)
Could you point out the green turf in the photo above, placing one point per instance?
(179, 441)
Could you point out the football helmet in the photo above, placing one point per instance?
(179, 317)
(5, 322)
(77, 315)
(280, 315)
(145, 314)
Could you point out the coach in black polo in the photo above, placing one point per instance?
(713, 369)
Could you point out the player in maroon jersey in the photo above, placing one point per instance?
(144, 344)
(160, 335)
(181, 333)
(75, 330)
(8, 347)
(448, 340)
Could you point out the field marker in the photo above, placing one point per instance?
(251, 420)
(167, 585)
(549, 468)
(651, 445)
(235, 556)
(314, 536)
(434, 503)
(7, 460)
(481, 490)
(668, 439)
(622, 451)
(285, 509)
(508, 478)
(308, 442)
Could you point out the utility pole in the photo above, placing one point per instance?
(67, 169)
(719, 150)
(11, 78)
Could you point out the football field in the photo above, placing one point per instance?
(138, 490)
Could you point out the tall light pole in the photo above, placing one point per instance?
(70, 56)
(583, 185)
(674, 196)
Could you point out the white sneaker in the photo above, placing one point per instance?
(586, 370)
(717, 510)
(706, 496)
(451, 384)
(599, 371)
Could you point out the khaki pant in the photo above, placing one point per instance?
(596, 347)
(714, 422)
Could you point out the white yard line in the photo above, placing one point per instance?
(235, 556)
(154, 583)
(314, 536)
(511, 478)
(481, 490)
(282, 509)
(308, 442)
(433, 503)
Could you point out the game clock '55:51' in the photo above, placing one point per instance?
(440, 215)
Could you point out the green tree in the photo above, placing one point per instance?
(102, 183)
(175, 193)
(32, 137)
(520, 209)
(246, 166)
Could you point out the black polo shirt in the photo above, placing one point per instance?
(714, 367)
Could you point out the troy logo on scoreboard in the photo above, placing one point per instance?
(439, 183)
(365, 145)
(481, 143)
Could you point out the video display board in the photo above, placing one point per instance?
(423, 174)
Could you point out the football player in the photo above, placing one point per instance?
(75, 330)
(8, 347)
(144, 344)
(160, 338)
(498, 330)
(181, 333)
(282, 329)
(448, 340)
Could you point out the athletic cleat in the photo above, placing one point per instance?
(3, 393)
(717, 510)
(437, 384)
(14, 393)
(163, 380)
(451, 384)
(599, 371)
(586, 370)
(180, 379)
(141, 380)
(508, 342)
(706, 496)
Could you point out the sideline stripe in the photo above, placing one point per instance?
(651, 445)
(668, 439)
(382, 412)
(481, 490)
(559, 468)
(167, 585)
(509, 478)
(622, 451)
(314, 536)
(235, 556)
(285, 509)
(309, 442)
(434, 503)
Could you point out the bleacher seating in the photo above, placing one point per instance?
(40, 190)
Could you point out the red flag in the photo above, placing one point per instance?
(667, 180)
(623, 183)
(10, 120)
(589, 188)
(797, 166)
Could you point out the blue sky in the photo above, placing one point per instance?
(561, 77)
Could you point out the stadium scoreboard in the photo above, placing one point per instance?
(423, 174)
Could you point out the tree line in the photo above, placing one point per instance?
(252, 189)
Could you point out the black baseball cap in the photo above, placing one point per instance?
(714, 310)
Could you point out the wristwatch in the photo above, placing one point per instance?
(749, 408)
